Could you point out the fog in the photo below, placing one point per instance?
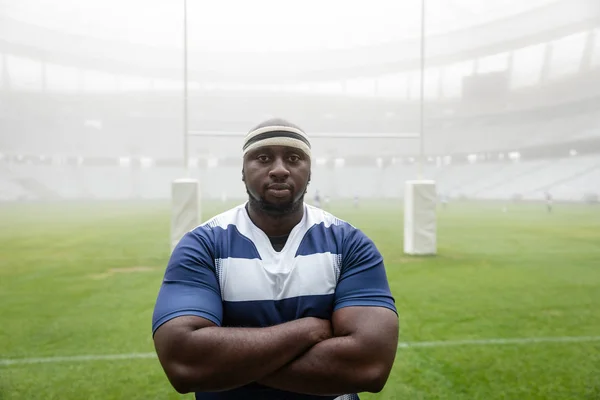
(507, 106)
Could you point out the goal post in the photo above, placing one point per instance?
(420, 224)
(185, 208)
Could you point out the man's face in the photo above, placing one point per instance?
(276, 178)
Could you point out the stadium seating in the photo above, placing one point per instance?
(569, 179)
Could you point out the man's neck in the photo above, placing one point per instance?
(275, 225)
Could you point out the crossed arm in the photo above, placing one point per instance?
(352, 353)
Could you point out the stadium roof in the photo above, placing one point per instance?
(344, 40)
(262, 25)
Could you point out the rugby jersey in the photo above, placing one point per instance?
(227, 271)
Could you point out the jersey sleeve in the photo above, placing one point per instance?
(190, 285)
(363, 280)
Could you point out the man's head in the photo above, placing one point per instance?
(276, 167)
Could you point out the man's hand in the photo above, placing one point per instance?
(358, 358)
(199, 356)
(323, 329)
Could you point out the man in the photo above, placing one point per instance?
(275, 299)
(317, 199)
(548, 202)
(444, 200)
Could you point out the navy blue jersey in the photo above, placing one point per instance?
(227, 271)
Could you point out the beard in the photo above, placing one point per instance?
(272, 209)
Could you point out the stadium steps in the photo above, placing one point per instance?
(82, 188)
(571, 177)
(510, 178)
(479, 185)
(471, 178)
(9, 189)
(38, 189)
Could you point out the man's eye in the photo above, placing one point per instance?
(263, 158)
(294, 159)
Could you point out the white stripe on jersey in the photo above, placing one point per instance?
(253, 279)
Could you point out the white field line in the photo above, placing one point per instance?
(73, 359)
(401, 345)
(483, 342)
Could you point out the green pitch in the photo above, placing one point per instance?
(81, 279)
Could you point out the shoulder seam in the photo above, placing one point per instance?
(330, 217)
(217, 219)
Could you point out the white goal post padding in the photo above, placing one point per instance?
(185, 208)
(420, 225)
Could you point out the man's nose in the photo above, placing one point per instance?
(279, 170)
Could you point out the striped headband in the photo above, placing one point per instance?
(277, 135)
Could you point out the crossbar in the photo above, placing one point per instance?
(334, 135)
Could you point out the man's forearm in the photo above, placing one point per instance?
(333, 367)
(216, 358)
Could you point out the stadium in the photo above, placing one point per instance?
(103, 107)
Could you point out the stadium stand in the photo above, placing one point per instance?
(509, 113)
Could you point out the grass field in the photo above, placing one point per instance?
(81, 279)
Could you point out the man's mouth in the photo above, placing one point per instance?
(279, 186)
(279, 189)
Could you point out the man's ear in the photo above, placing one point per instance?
(243, 176)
